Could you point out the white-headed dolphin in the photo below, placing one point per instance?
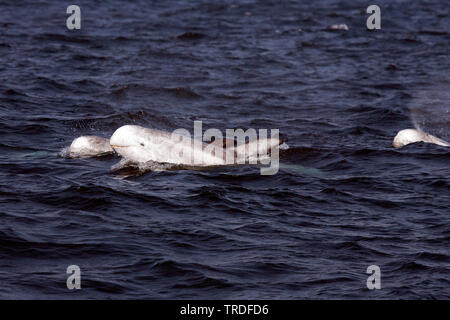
(407, 136)
(140, 144)
(88, 146)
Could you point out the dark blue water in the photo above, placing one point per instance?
(343, 199)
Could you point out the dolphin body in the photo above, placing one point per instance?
(407, 136)
(142, 144)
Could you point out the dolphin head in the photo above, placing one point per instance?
(89, 146)
(132, 142)
(407, 136)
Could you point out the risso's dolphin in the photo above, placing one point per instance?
(140, 145)
(88, 146)
(407, 136)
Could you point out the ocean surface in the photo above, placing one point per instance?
(343, 198)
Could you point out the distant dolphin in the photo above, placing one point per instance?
(140, 144)
(407, 136)
(88, 146)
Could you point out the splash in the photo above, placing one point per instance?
(126, 168)
(430, 111)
